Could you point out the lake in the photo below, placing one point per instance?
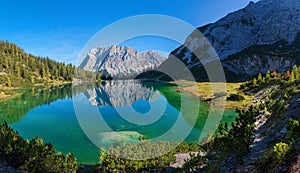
(81, 118)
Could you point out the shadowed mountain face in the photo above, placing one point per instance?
(261, 23)
(120, 62)
(260, 37)
(120, 93)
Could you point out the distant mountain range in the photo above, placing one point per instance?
(260, 37)
(119, 62)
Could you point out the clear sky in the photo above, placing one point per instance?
(60, 29)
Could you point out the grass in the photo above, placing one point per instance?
(205, 92)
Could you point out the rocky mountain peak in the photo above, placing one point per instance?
(263, 36)
(264, 22)
(120, 62)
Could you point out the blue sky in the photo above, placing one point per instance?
(60, 29)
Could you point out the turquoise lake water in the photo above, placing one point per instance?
(106, 111)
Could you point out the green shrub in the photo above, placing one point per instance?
(280, 150)
(33, 155)
(136, 157)
(238, 138)
(273, 157)
(235, 97)
(293, 129)
(192, 164)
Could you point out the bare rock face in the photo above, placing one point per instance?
(252, 65)
(264, 22)
(120, 62)
(260, 37)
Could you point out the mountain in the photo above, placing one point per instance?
(260, 37)
(120, 62)
(120, 93)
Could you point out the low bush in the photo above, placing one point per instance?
(235, 97)
(33, 155)
(143, 156)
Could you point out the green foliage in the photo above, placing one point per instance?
(22, 68)
(292, 78)
(281, 153)
(295, 75)
(280, 150)
(268, 75)
(235, 97)
(239, 137)
(8, 82)
(143, 156)
(260, 78)
(274, 156)
(33, 155)
(236, 139)
(293, 129)
(275, 94)
(295, 72)
(184, 147)
(254, 82)
(192, 164)
(142, 137)
(32, 79)
(276, 103)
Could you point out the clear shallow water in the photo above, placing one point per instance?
(124, 106)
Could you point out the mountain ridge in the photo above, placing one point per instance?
(120, 62)
(262, 25)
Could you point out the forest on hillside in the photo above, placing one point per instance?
(18, 68)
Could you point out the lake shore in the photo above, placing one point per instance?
(204, 91)
(10, 92)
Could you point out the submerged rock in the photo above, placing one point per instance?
(128, 136)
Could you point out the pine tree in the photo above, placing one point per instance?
(18, 71)
(254, 82)
(268, 75)
(8, 82)
(27, 59)
(295, 72)
(259, 78)
(43, 71)
(226, 126)
(292, 78)
(23, 73)
(16, 63)
(32, 79)
(56, 74)
(6, 62)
